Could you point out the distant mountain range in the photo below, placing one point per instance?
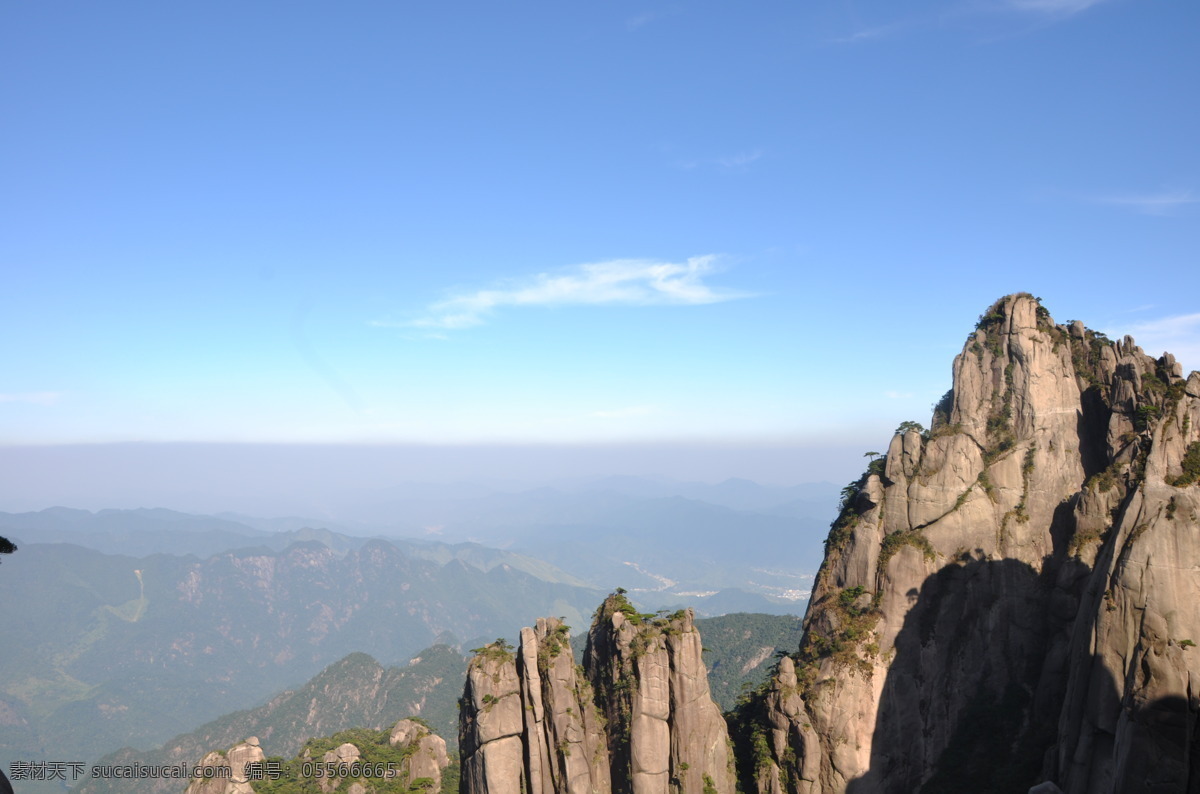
(468, 511)
(599, 533)
(108, 649)
(136, 625)
(353, 692)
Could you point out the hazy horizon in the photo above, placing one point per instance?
(288, 479)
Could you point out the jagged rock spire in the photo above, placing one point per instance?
(641, 721)
(1009, 597)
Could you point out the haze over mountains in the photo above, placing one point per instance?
(162, 620)
(601, 532)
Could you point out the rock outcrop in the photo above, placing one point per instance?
(344, 767)
(428, 758)
(1010, 597)
(637, 717)
(235, 760)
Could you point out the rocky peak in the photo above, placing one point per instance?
(664, 730)
(1003, 596)
(637, 717)
(527, 722)
(428, 757)
(492, 722)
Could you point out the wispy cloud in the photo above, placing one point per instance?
(867, 34)
(1053, 7)
(739, 160)
(643, 19)
(32, 397)
(1178, 335)
(630, 282)
(896, 395)
(1162, 203)
(954, 16)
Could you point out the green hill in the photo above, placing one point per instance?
(146, 648)
(741, 648)
(353, 693)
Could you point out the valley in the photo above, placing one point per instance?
(164, 620)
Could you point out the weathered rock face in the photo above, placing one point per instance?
(429, 758)
(1011, 597)
(566, 751)
(665, 732)
(343, 755)
(491, 724)
(642, 721)
(218, 783)
(236, 759)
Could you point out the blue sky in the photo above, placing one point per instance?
(546, 223)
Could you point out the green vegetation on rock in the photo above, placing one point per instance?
(498, 651)
(300, 775)
(354, 691)
(1191, 466)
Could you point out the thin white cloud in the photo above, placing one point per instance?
(739, 160)
(1178, 335)
(633, 23)
(1163, 203)
(1040, 12)
(32, 397)
(641, 20)
(625, 413)
(1054, 7)
(628, 282)
(1144, 307)
(867, 34)
(896, 395)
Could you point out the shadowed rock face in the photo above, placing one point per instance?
(641, 721)
(1010, 598)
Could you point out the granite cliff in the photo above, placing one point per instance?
(1008, 598)
(637, 716)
